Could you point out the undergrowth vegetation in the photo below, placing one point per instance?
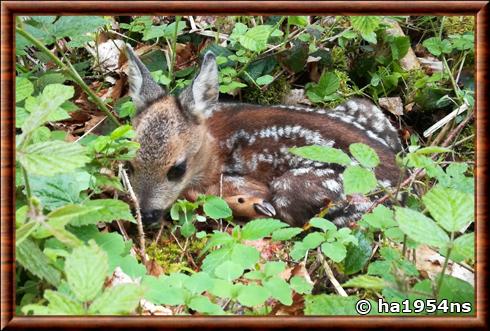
(79, 249)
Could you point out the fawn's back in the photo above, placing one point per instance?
(193, 144)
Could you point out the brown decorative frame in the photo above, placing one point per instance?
(10, 9)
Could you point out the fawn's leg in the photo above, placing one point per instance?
(301, 193)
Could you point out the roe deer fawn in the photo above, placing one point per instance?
(192, 144)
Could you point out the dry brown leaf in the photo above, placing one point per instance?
(393, 104)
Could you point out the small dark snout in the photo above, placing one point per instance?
(150, 217)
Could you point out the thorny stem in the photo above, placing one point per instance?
(71, 72)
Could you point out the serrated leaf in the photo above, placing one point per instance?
(367, 282)
(332, 305)
(108, 211)
(260, 228)
(300, 285)
(246, 256)
(313, 240)
(365, 24)
(322, 224)
(203, 305)
(52, 157)
(420, 228)
(274, 268)
(380, 218)
(118, 300)
(29, 256)
(255, 39)
(366, 156)
(436, 46)
(358, 180)
(463, 248)
(52, 97)
(214, 259)
(130, 266)
(86, 268)
(62, 304)
(216, 208)
(229, 270)
(61, 189)
(299, 250)
(198, 282)
(24, 231)
(357, 255)
(158, 291)
(69, 26)
(279, 289)
(23, 88)
(336, 251)
(252, 295)
(285, 233)
(322, 154)
(452, 209)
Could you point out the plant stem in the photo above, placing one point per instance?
(174, 46)
(26, 183)
(71, 72)
(446, 262)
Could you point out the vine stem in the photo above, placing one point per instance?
(71, 72)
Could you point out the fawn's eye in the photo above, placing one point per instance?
(177, 171)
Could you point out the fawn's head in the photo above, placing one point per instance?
(172, 133)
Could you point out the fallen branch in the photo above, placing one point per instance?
(141, 234)
(330, 275)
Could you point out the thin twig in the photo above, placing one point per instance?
(330, 275)
(141, 233)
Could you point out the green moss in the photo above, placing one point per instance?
(168, 254)
(339, 58)
(272, 94)
(459, 24)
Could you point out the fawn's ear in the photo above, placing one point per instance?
(201, 96)
(142, 88)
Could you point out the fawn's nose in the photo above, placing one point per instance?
(151, 216)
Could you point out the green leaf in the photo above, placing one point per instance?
(118, 300)
(229, 270)
(255, 39)
(366, 156)
(329, 83)
(221, 288)
(432, 150)
(367, 282)
(52, 157)
(300, 285)
(246, 256)
(380, 218)
(452, 209)
(216, 208)
(260, 228)
(67, 212)
(252, 295)
(322, 154)
(62, 304)
(214, 259)
(300, 21)
(203, 305)
(279, 289)
(198, 282)
(358, 180)
(336, 251)
(274, 268)
(399, 47)
(52, 97)
(299, 250)
(86, 268)
(29, 256)
(420, 228)
(264, 80)
(437, 46)
(331, 305)
(24, 231)
(322, 224)
(23, 88)
(158, 291)
(130, 266)
(107, 210)
(285, 233)
(365, 24)
(155, 31)
(70, 26)
(61, 189)
(357, 255)
(463, 248)
(313, 240)
(452, 289)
